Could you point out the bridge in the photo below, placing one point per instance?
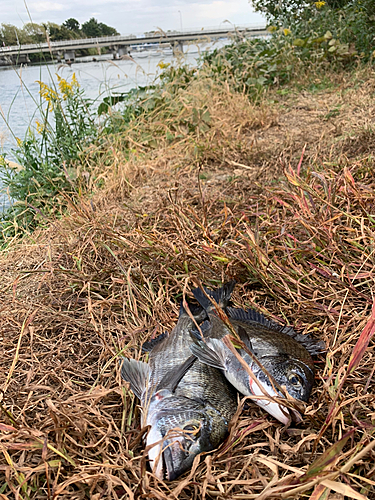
(121, 45)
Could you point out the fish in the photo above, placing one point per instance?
(187, 404)
(286, 355)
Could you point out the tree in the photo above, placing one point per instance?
(10, 35)
(281, 10)
(93, 29)
(57, 32)
(72, 24)
(277, 10)
(37, 33)
(107, 30)
(33, 33)
(350, 23)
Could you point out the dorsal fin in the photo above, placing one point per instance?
(311, 345)
(220, 295)
(150, 344)
(205, 330)
(252, 316)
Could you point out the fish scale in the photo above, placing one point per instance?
(279, 350)
(188, 405)
(201, 381)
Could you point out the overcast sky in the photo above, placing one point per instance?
(132, 16)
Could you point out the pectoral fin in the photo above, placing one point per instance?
(213, 354)
(171, 380)
(244, 337)
(136, 373)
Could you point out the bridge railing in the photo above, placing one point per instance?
(157, 35)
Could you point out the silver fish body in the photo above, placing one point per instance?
(286, 359)
(187, 404)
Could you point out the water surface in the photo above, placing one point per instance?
(19, 87)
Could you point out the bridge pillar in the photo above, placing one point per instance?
(5, 61)
(22, 59)
(118, 52)
(69, 56)
(114, 50)
(178, 48)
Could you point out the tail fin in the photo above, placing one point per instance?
(196, 310)
(220, 295)
(136, 373)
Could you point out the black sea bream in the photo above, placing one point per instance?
(187, 404)
(283, 353)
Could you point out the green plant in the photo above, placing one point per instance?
(352, 23)
(49, 156)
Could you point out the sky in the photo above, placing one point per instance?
(132, 16)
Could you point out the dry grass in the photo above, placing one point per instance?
(110, 275)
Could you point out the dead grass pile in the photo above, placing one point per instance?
(205, 123)
(111, 275)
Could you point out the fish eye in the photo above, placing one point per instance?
(191, 428)
(193, 431)
(295, 379)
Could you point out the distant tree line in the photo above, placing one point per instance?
(68, 30)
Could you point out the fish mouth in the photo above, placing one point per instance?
(154, 443)
(156, 461)
(168, 459)
(169, 472)
(280, 412)
(175, 459)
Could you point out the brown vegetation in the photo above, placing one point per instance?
(280, 197)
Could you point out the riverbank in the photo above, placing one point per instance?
(276, 192)
(19, 87)
(22, 106)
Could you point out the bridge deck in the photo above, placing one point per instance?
(126, 40)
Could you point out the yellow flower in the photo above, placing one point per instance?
(19, 142)
(163, 65)
(286, 31)
(54, 98)
(39, 127)
(74, 81)
(65, 87)
(319, 5)
(272, 29)
(48, 94)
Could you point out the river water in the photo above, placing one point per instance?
(19, 87)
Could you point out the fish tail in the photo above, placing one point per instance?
(220, 295)
(195, 309)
